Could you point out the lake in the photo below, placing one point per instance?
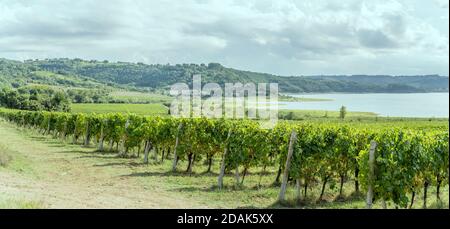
(392, 105)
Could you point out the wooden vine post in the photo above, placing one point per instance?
(87, 138)
(236, 174)
(48, 125)
(23, 122)
(102, 135)
(123, 149)
(222, 164)
(155, 153)
(74, 137)
(64, 134)
(292, 141)
(175, 156)
(147, 148)
(373, 146)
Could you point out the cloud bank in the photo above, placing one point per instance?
(284, 37)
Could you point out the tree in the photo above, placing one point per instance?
(289, 116)
(342, 112)
(34, 99)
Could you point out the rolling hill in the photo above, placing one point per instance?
(105, 74)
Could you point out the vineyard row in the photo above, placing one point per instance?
(407, 161)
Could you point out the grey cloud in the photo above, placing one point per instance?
(287, 37)
(60, 20)
(59, 29)
(296, 40)
(442, 3)
(375, 39)
(396, 25)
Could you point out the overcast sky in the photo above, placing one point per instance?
(286, 37)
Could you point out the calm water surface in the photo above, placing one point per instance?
(392, 105)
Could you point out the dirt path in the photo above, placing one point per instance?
(62, 176)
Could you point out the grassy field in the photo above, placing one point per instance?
(44, 77)
(140, 109)
(42, 172)
(288, 98)
(305, 114)
(6, 203)
(150, 97)
(298, 115)
(140, 97)
(160, 109)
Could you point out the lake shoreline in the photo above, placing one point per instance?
(414, 105)
(321, 93)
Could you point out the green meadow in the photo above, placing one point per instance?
(140, 109)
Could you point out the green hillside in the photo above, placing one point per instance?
(104, 74)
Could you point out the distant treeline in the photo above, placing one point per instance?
(40, 97)
(96, 74)
(44, 97)
(35, 99)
